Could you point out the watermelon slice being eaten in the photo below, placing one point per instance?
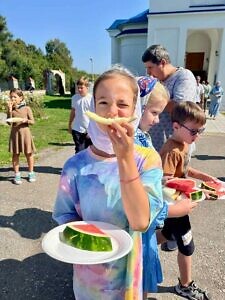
(86, 237)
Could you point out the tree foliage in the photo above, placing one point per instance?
(23, 61)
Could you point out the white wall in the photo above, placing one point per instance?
(182, 5)
(131, 51)
(206, 2)
(171, 5)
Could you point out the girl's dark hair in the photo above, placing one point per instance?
(17, 91)
(188, 111)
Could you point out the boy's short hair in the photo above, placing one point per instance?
(83, 81)
(155, 54)
(188, 111)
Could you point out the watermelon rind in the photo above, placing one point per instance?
(207, 187)
(213, 196)
(196, 195)
(85, 241)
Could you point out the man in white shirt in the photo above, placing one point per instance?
(78, 120)
(199, 92)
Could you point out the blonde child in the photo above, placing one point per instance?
(21, 140)
(112, 181)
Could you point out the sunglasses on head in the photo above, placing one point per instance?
(193, 131)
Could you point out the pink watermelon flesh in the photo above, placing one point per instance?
(88, 228)
(181, 184)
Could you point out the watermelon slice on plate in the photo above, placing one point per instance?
(122, 243)
(86, 237)
(186, 187)
(181, 184)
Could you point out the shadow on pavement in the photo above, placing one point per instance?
(30, 223)
(162, 290)
(61, 144)
(4, 176)
(36, 277)
(166, 289)
(209, 157)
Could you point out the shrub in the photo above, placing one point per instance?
(36, 103)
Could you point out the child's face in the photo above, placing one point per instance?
(15, 98)
(114, 98)
(151, 114)
(188, 132)
(82, 90)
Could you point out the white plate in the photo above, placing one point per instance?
(181, 197)
(14, 120)
(121, 241)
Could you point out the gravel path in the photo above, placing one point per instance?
(25, 216)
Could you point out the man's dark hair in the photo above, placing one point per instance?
(155, 54)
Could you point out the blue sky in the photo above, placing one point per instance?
(81, 25)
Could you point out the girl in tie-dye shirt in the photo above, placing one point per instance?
(112, 181)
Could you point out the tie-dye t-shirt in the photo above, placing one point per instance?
(89, 189)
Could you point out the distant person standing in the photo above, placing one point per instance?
(180, 83)
(78, 121)
(207, 89)
(199, 92)
(21, 140)
(216, 98)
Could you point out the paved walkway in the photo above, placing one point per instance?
(25, 216)
(216, 126)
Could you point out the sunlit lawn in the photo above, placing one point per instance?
(50, 131)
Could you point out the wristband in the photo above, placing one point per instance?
(129, 180)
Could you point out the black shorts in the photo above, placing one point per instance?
(179, 229)
(81, 140)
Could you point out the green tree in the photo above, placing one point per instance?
(23, 61)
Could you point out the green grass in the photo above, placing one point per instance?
(48, 132)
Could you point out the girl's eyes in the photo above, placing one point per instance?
(123, 105)
(104, 102)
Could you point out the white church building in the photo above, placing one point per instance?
(193, 31)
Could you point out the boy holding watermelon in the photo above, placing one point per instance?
(188, 121)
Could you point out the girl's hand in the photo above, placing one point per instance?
(122, 138)
(10, 105)
(25, 120)
(166, 178)
(182, 207)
